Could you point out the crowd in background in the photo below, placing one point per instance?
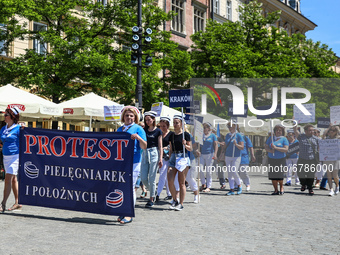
(182, 162)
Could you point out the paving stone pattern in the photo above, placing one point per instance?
(254, 222)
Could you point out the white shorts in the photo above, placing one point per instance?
(11, 164)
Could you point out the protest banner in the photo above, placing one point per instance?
(275, 114)
(189, 119)
(195, 109)
(181, 98)
(300, 117)
(335, 114)
(323, 122)
(231, 111)
(80, 171)
(198, 135)
(293, 148)
(113, 112)
(329, 149)
(157, 107)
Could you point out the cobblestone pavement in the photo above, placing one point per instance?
(254, 222)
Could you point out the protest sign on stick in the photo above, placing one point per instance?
(300, 117)
(335, 114)
(329, 149)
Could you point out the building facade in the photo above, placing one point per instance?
(192, 16)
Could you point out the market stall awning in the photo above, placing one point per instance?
(85, 107)
(32, 106)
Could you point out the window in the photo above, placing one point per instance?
(38, 46)
(292, 3)
(178, 21)
(103, 2)
(298, 7)
(229, 10)
(198, 19)
(217, 6)
(2, 43)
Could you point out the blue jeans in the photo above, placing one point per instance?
(324, 182)
(150, 159)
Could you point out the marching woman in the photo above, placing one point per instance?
(244, 165)
(163, 171)
(308, 156)
(179, 162)
(332, 166)
(192, 173)
(10, 138)
(292, 160)
(208, 154)
(277, 146)
(130, 117)
(234, 144)
(152, 156)
(320, 173)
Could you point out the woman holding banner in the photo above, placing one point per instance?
(163, 171)
(179, 163)
(277, 147)
(208, 154)
(130, 117)
(332, 166)
(10, 137)
(152, 157)
(234, 144)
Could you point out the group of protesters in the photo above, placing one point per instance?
(234, 152)
(178, 158)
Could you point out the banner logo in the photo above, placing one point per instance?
(115, 199)
(31, 170)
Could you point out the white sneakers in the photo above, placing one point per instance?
(332, 193)
(197, 199)
(248, 188)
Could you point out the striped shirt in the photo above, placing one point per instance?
(307, 145)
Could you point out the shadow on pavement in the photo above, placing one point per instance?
(72, 220)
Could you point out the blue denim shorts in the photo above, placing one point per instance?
(172, 160)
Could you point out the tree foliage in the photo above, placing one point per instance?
(253, 48)
(85, 50)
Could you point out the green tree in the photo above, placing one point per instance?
(81, 49)
(254, 48)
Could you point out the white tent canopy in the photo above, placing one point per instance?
(85, 107)
(31, 105)
(167, 111)
(215, 120)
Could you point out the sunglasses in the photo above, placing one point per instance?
(6, 114)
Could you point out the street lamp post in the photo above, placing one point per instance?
(137, 54)
(139, 89)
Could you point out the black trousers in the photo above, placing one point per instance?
(306, 171)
